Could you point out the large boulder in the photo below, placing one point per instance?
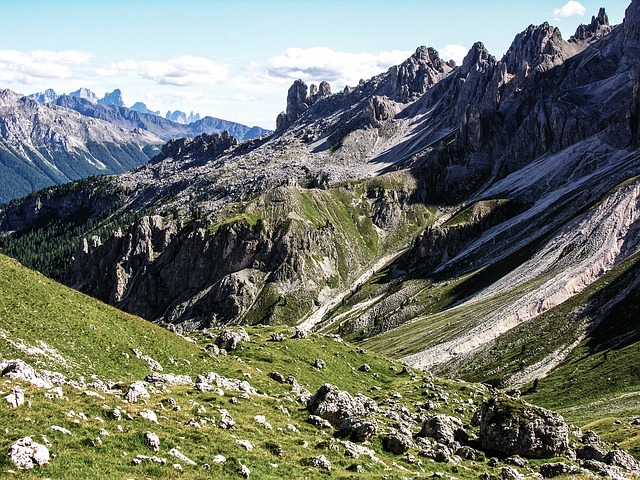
(20, 370)
(336, 406)
(514, 427)
(26, 454)
(444, 429)
(231, 339)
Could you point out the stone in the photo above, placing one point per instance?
(26, 454)
(319, 422)
(59, 429)
(231, 339)
(278, 377)
(514, 427)
(397, 443)
(510, 473)
(168, 379)
(277, 337)
(365, 367)
(246, 444)
(16, 397)
(321, 463)
(443, 428)
(591, 451)
(319, 364)
(136, 391)
(550, 470)
(180, 456)
(357, 430)
(152, 440)
(149, 415)
(622, 458)
(244, 471)
(336, 406)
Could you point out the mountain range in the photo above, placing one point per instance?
(44, 142)
(477, 221)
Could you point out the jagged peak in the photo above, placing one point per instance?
(537, 45)
(598, 28)
(632, 22)
(478, 56)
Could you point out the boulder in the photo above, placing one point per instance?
(16, 397)
(444, 429)
(152, 440)
(336, 406)
(137, 391)
(26, 454)
(510, 473)
(397, 442)
(514, 427)
(357, 431)
(321, 462)
(231, 339)
(550, 470)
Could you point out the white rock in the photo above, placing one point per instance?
(180, 456)
(137, 390)
(244, 471)
(152, 440)
(16, 397)
(62, 430)
(245, 444)
(26, 454)
(219, 459)
(149, 415)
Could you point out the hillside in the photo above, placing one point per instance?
(479, 221)
(250, 412)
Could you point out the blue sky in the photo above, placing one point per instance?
(236, 59)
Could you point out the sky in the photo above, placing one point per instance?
(235, 60)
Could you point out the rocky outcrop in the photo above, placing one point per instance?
(336, 406)
(299, 99)
(513, 427)
(114, 98)
(598, 28)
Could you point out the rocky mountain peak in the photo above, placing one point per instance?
(86, 94)
(417, 74)
(478, 57)
(598, 28)
(299, 99)
(113, 98)
(538, 47)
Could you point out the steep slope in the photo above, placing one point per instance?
(43, 145)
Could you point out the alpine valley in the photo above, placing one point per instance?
(385, 285)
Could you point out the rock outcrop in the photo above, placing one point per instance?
(336, 406)
(514, 427)
(26, 454)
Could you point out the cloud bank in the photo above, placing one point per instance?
(572, 8)
(31, 67)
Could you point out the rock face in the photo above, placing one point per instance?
(114, 98)
(598, 28)
(514, 427)
(26, 454)
(299, 99)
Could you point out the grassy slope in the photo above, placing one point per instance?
(92, 339)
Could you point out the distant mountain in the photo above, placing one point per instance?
(142, 108)
(130, 118)
(43, 145)
(181, 117)
(49, 96)
(86, 94)
(113, 98)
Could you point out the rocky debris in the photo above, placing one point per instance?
(438, 452)
(154, 364)
(180, 456)
(262, 420)
(136, 392)
(516, 460)
(319, 364)
(514, 427)
(321, 463)
(357, 430)
(365, 367)
(204, 383)
(149, 415)
(168, 379)
(138, 459)
(510, 473)
(22, 371)
(278, 337)
(231, 339)
(26, 454)
(299, 334)
(444, 429)
(16, 397)
(152, 440)
(278, 377)
(336, 405)
(244, 471)
(62, 430)
(397, 442)
(319, 422)
(219, 459)
(226, 421)
(550, 470)
(246, 444)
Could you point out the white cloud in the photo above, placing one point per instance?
(241, 97)
(572, 8)
(453, 52)
(339, 68)
(31, 67)
(178, 71)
